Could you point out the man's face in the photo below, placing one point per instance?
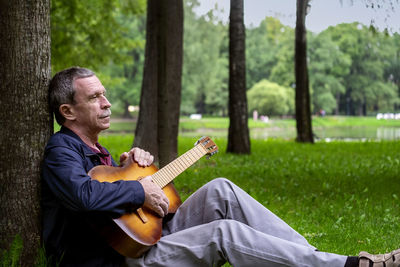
(91, 109)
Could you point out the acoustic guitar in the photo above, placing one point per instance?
(134, 233)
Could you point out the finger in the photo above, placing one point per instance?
(134, 152)
(139, 156)
(156, 204)
(164, 207)
(148, 178)
(164, 202)
(146, 158)
(165, 199)
(150, 159)
(159, 211)
(123, 157)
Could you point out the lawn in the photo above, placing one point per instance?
(342, 196)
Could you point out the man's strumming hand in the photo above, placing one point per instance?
(155, 199)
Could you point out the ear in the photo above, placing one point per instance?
(67, 111)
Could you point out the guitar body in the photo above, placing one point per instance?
(132, 234)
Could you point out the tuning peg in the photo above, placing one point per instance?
(198, 141)
(211, 153)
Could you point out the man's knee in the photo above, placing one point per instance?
(219, 182)
(221, 187)
(225, 229)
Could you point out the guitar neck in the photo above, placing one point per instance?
(169, 172)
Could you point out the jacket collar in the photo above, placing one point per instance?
(69, 132)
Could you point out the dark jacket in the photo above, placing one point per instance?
(73, 203)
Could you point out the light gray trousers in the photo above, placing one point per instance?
(221, 223)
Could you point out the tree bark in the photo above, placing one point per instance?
(238, 136)
(170, 79)
(146, 128)
(157, 128)
(25, 121)
(303, 112)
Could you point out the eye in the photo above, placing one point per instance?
(97, 95)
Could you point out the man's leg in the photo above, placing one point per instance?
(214, 243)
(221, 199)
(220, 222)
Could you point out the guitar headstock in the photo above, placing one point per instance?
(208, 144)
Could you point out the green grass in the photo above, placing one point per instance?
(343, 197)
(11, 257)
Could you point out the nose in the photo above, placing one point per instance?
(105, 103)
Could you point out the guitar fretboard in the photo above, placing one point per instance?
(170, 171)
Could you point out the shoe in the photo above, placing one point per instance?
(391, 259)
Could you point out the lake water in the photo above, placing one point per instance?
(321, 133)
(334, 133)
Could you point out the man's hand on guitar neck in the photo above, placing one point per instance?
(154, 199)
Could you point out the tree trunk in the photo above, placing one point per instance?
(146, 128)
(170, 79)
(25, 121)
(303, 112)
(238, 136)
(157, 128)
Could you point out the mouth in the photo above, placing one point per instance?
(107, 114)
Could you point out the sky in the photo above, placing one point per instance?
(323, 13)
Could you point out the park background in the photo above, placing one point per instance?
(354, 68)
(341, 192)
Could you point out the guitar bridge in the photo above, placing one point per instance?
(142, 216)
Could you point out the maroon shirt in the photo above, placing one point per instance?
(105, 157)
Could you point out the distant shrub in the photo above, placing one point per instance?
(269, 98)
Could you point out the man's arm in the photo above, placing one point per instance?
(65, 174)
(155, 198)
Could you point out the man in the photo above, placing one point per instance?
(219, 223)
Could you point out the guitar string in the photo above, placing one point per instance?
(177, 170)
(176, 167)
(161, 177)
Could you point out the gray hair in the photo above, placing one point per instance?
(62, 90)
